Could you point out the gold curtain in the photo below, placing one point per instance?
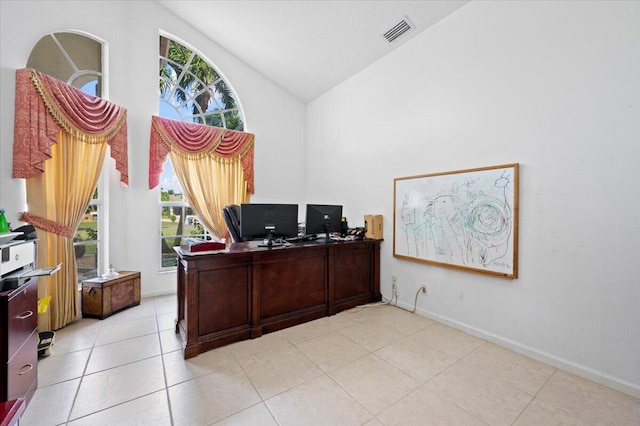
(209, 184)
(60, 141)
(213, 165)
(62, 194)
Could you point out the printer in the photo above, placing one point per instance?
(18, 262)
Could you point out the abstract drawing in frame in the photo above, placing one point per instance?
(464, 219)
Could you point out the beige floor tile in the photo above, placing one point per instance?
(247, 349)
(278, 371)
(538, 413)
(589, 401)
(423, 407)
(307, 331)
(107, 388)
(76, 336)
(126, 330)
(369, 311)
(403, 322)
(51, 405)
(150, 410)
(146, 309)
(509, 367)
(212, 397)
(258, 414)
(166, 304)
(332, 350)
(123, 352)
(335, 370)
(415, 359)
(371, 335)
(448, 340)
(167, 321)
(346, 318)
(373, 382)
(170, 341)
(317, 402)
(178, 370)
(488, 399)
(63, 367)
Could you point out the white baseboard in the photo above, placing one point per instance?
(150, 294)
(596, 376)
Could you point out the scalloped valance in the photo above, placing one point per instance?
(45, 106)
(193, 141)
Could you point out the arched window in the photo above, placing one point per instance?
(76, 59)
(192, 90)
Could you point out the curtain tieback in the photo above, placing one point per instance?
(48, 225)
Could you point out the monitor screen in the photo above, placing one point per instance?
(257, 219)
(319, 215)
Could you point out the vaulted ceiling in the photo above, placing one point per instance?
(310, 46)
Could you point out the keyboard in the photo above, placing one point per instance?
(300, 238)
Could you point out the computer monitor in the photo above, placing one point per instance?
(323, 219)
(260, 221)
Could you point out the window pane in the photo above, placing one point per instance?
(190, 90)
(87, 260)
(85, 244)
(88, 228)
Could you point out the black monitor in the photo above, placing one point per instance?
(268, 221)
(323, 219)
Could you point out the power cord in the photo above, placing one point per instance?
(395, 295)
(415, 301)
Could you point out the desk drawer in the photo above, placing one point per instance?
(22, 316)
(22, 369)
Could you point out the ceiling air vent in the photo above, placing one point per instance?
(398, 29)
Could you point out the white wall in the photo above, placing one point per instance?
(551, 85)
(554, 86)
(131, 30)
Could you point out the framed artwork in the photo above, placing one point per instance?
(464, 219)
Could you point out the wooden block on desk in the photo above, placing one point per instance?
(102, 297)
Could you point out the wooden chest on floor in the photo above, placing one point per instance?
(102, 297)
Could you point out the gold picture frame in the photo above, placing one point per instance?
(463, 219)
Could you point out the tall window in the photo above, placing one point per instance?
(77, 60)
(190, 90)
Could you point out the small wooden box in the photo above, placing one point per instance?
(373, 226)
(102, 297)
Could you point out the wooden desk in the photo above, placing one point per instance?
(250, 290)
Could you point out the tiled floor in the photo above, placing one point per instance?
(376, 365)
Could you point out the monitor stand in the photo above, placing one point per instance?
(269, 241)
(327, 238)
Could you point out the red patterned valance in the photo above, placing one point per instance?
(44, 106)
(192, 140)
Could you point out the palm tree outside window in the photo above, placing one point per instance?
(191, 90)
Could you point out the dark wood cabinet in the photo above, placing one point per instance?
(251, 290)
(19, 341)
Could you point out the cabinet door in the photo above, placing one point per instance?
(352, 271)
(22, 369)
(223, 299)
(22, 315)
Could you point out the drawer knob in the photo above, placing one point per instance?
(25, 315)
(25, 369)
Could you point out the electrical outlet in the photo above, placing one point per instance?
(394, 282)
